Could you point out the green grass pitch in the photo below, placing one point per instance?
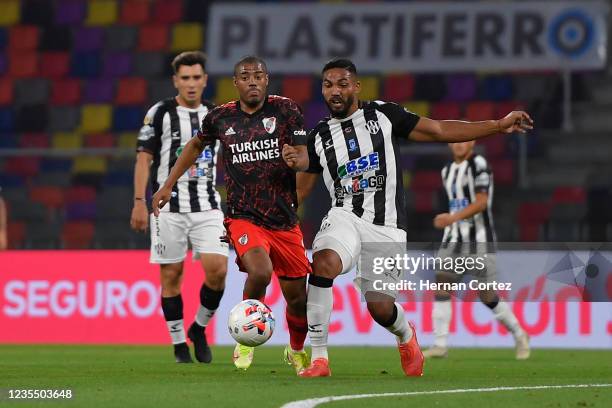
(146, 376)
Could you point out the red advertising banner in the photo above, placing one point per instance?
(113, 297)
(87, 297)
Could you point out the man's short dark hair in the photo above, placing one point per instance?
(189, 58)
(343, 63)
(250, 59)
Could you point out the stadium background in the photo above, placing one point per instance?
(76, 80)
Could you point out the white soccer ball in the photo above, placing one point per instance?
(251, 323)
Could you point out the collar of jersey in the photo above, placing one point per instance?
(258, 111)
(189, 109)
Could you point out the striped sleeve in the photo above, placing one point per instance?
(314, 166)
(402, 119)
(149, 137)
(482, 175)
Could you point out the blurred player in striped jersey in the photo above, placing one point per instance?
(468, 183)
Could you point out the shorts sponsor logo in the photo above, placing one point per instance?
(244, 239)
(359, 166)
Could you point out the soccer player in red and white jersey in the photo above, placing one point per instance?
(261, 221)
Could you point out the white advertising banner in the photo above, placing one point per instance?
(551, 320)
(412, 36)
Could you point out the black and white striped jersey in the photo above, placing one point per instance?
(461, 182)
(360, 161)
(167, 129)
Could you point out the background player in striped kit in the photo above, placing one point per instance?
(468, 184)
(194, 212)
(357, 152)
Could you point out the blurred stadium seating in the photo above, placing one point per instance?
(81, 74)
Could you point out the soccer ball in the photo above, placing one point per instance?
(251, 323)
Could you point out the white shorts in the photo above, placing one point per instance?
(170, 232)
(344, 233)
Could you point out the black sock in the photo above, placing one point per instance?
(392, 320)
(491, 305)
(320, 281)
(210, 298)
(172, 307)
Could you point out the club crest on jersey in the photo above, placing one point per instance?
(269, 124)
(244, 239)
(372, 126)
(352, 145)
(358, 166)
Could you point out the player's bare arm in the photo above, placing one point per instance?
(443, 220)
(296, 157)
(305, 182)
(452, 131)
(140, 213)
(190, 152)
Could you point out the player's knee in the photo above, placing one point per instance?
(170, 276)
(326, 264)
(261, 276)
(215, 275)
(381, 312)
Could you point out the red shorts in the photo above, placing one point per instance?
(286, 248)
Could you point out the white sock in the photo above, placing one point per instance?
(177, 331)
(505, 316)
(318, 311)
(442, 313)
(204, 315)
(400, 327)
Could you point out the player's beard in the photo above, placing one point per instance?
(252, 102)
(346, 106)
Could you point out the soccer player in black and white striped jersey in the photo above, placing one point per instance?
(468, 183)
(194, 212)
(357, 152)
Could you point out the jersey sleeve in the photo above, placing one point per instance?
(207, 132)
(402, 120)
(295, 124)
(149, 137)
(482, 175)
(314, 165)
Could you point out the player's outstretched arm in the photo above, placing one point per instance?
(190, 152)
(296, 157)
(443, 220)
(452, 131)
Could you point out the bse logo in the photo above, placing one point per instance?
(359, 166)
